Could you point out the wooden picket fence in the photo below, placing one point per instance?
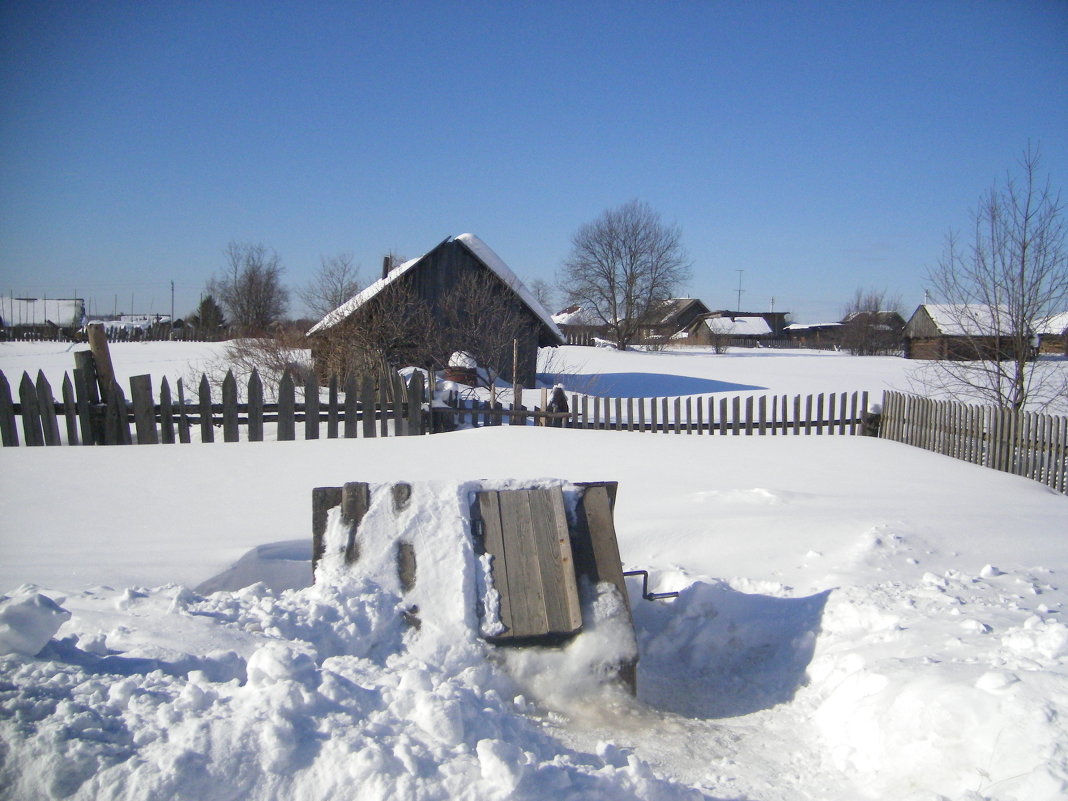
(361, 408)
(1024, 443)
(823, 413)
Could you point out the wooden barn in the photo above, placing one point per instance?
(460, 297)
(957, 331)
(1053, 334)
(722, 328)
(669, 317)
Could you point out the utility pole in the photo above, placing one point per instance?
(172, 302)
(740, 290)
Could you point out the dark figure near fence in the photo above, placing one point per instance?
(558, 404)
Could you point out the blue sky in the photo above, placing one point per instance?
(817, 147)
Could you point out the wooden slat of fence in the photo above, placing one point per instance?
(415, 404)
(665, 418)
(183, 418)
(255, 407)
(619, 425)
(31, 416)
(352, 400)
(641, 414)
(762, 414)
(400, 424)
(311, 407)
(166, 413)
(207, 429)
(231, 433)
(700, 416)
(678, 415)
(367, 400)
(47, 410)
(287, 407)
(630, 413)
(82, 389)
(144, 410)
(70, 413)
(332, 410)
(383, 402)
(9, 433)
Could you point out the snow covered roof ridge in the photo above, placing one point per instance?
(480, 250)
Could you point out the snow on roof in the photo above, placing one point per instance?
(574, 315)
(1053, 324)
(485, 254)
(966, 319)
(480, 250)
(806, 326)
(38, 311)
(739, 326)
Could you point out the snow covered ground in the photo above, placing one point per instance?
(857, 618)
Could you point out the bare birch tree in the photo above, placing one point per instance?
(621, 265)
(871, 323)
(1000, 287)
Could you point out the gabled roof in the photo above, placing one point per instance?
(739, 326)
(480, 250)
(1055, 324)
(966, 319)
(575, 315)
(665, 312)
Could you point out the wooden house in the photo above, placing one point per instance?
(817, 336)
(579, 326)
(958, 332)
(1052, 334)
(667, 318)
(467, 299)
(722, 328)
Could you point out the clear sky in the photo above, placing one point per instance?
(817, 147)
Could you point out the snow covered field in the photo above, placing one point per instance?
(857, 618)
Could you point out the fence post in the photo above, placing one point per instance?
(332, 409)
(8, 430)
(255, 407)
(84, 389)
(207, 426)
(46, 407)
(98, 347)
(183, 418)
(144, 409)
(287, 407)
(31, 417)
(70, 411)
(415, 404)
(311, 407)
(166, 413)
(367, 408)
(116, 423)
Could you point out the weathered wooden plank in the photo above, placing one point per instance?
(619, 423)
(166, 413)
(255, 407)
(332, 410)
(287, 409)
(144, 409)
(400, 423)
(355, 501)
(762, 415)
(652, 416)
(808, 414)
(367, 404)
(416, 420)
(736, 415)
(83, 390)
(229, 408)
(207, 427)
(383, 405)
(70, 410)
(98, 347)
(323, 500)
(665, 418)
(83, 360)
(556, 564)
(31, 415)
(116, 421)
(724, 423)
(352, 410)
(525, 584)
(311, 407)
(9, 433)
(823, 425)
(46, 408)
(183, 418)
(677, 426)
(749, 416)
(489, 512)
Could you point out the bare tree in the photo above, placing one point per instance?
(872, 323)
(621, 265)
(336, 280)
(542, 290)
(250, 288)
(1000, 287)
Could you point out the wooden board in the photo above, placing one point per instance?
(533, 570)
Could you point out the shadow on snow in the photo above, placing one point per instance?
(642, 385)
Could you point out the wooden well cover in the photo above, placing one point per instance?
(526, 532)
